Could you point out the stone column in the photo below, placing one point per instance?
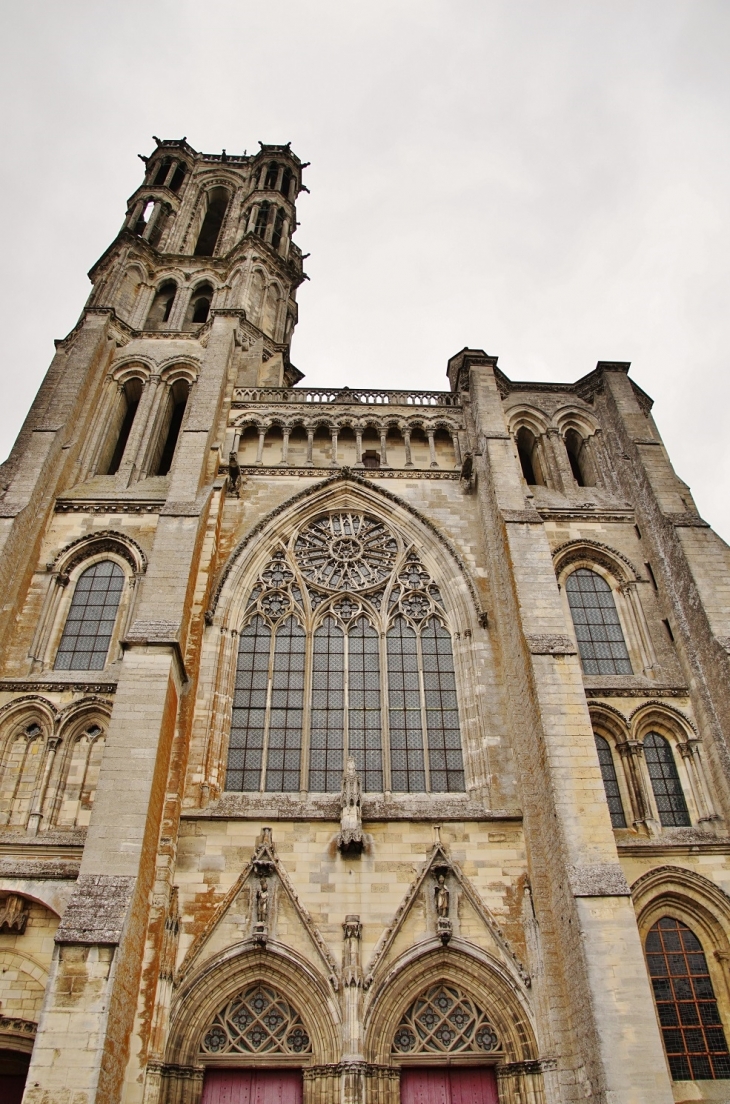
(285, 445)
(384, 448)
(632, 753)
(333, 435)
(132, 462)
(260, 449)
(310, 446)
(457, 448)
(593, 956)
(358, 448)
(432, 447)
(690, 752)
(407, 445)
(35, 817)
(560, 473)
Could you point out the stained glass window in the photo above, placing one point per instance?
(344, 652)
(90, 622)
(610, 783)
(444, 1020)
(328, 709)
(694, 1039)
(671, 805)
(597, 628)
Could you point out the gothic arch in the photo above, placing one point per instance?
(677, 891)
(95, 544)
(592, 554)
(200, 996)
(571, 417)
(463, 966)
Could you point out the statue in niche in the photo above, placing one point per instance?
(442, 895)
(350, 839)
(262, 903)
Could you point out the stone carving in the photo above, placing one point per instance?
(234, 474)
(442, 896)
(351, 968)
(261, 919)
(14, 914)
(346, 552)
(350, 839)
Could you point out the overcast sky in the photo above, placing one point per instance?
(547, 180)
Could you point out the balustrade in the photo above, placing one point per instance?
(344, 395)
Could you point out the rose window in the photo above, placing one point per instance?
(346, 552)
(257, 1021)
(444, 1020)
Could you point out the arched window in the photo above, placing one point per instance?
(313, 683)
(124, 420)
(575, 446)
(272, 175)
(444, 1020)
(598, 630)
(177, 177)
(159, 312)
(157, 230)
(286, 182)
(262, 219)
(162, 172)
(170, 429)
(216, 206)
(610, 782)
(528, 453)
(258, 1021)
(199, 306)
(671, 806)
(146, 214)
(689, 1019)
(90, 622)
(278, 226)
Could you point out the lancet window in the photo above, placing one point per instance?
(668, 793)
(345, 650)
(444, 1020)
(597, 627)
(610, 782)
(90, 622)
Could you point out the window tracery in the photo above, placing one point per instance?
(443, 1020)
(345, 650)
(257, 1021)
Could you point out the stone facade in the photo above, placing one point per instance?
(187, 883)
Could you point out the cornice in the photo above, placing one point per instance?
(638, 690)
(56, 686)
(108, 506)
(367, 473)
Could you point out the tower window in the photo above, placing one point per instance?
(159, 312)
(286, 182)
(177, 177)
(262, 219)
(272, 175)
(131, 394)
(144, 218)
(90, 622)
(597, 627)
(278, 226)
(610, 783)
(311, 674)
(162, 173)
(217, 205)
(199, 307)
(692, 1031)
(575, 446)
(529, 459)
(174, 413)
(157, 230)
(671, 805)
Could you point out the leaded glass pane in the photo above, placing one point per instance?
(246, 747)
(597, 627)
(610, 783)
(364, 716)
(404, 700)
(90, 622)
(689, 1019)
(327, 738)
(287, 709)
(668, 793)
(446, 765)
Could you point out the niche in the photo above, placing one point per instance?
(577, 450)
(529, 455)
(124, 416)
(199, 306)
(159, 312)
(173, 415)
(217, 205)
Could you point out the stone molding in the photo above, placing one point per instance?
(51, 869)
(597, 880)
(91, 544)
(97, 910)
(638, 690)
(258, 806)
(112, 506)
(550, 644)
(56, 686)
(366, 473)
(522, 517)
(582, 549)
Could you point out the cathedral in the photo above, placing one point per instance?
(356, 746)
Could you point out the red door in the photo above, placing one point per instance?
(232, 1086)
(443, 1085)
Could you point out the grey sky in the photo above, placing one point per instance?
(546, 180)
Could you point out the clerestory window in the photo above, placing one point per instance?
(668, 793)
(345, 651)
(598, 630)
(91, 618)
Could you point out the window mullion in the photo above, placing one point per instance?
(424, 724)
(346, 702)
(385, 711)
(307, 714)
(267, 720)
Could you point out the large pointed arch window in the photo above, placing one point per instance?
(692, 1031)
(91, 618)
(598, 630)
(345, 651)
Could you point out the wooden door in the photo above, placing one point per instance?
(232, 1086)
(444, 1085)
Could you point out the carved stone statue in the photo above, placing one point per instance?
(234, 473)
(442, 895)
(262, 904)
(350, 838)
